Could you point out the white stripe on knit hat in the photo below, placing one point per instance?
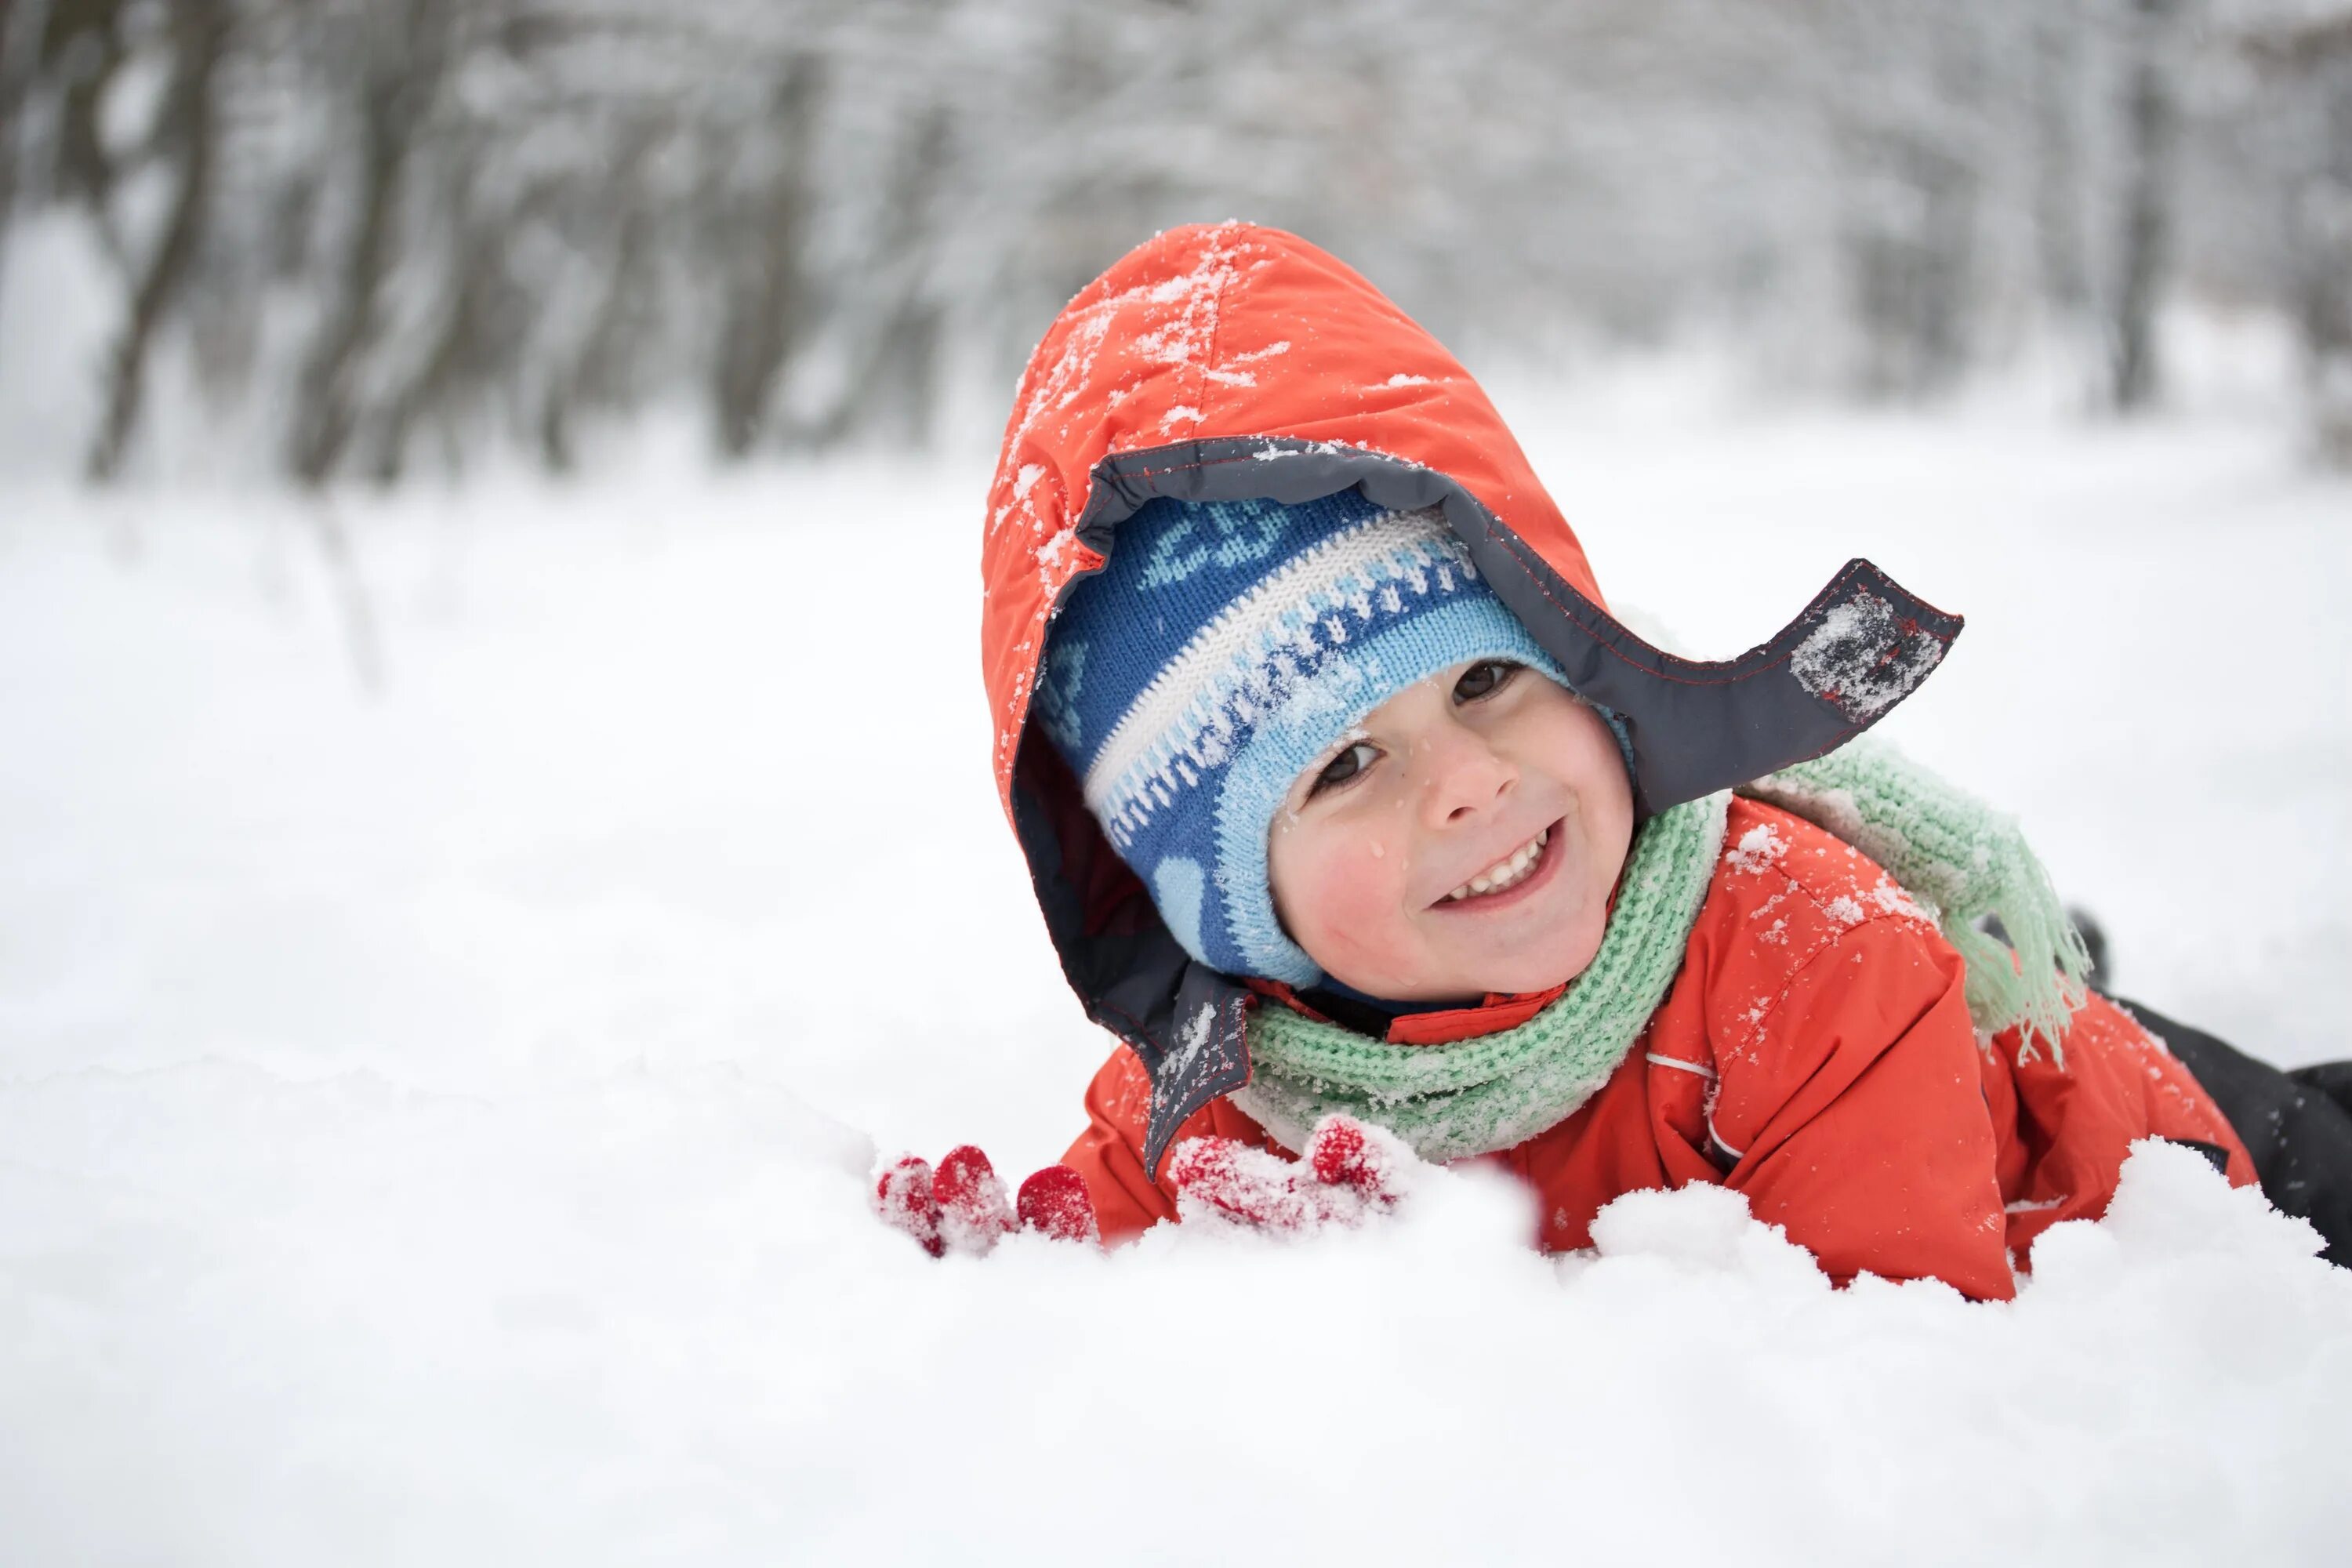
(1231, 661)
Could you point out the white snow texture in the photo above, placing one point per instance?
(435, 1125)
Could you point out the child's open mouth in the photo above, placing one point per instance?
(1514, 873)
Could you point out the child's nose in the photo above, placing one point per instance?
(1465, 778)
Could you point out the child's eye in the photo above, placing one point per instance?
(1345, 766)
(1483, 679)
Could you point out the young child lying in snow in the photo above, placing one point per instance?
(1348, 802)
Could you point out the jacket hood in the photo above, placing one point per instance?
(1229, 362)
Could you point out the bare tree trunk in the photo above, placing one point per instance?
(760, 323)
(2307, 67)
(432, 388)
(21, 25)
(453, 366)
(900, 367)
(1909, 254)
(2057, 167)
(80, 43)
(599, 372)
(402, 77)
(2321, 265)
(2152, 124)
(189, 124)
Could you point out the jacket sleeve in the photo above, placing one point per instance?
(1853, 1116)
(1109, 1153)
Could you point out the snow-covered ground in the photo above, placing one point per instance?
(449, 1002)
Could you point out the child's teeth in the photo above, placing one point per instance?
(1504, 872)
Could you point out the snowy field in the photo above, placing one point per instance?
(452, 991)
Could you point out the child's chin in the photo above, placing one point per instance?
(1520, 974)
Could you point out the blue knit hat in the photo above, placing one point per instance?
(1225, 647)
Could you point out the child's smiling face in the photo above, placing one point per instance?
(1464, 839)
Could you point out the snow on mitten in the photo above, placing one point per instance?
(1054, 1204)
(1351, 1173)
(974, 1213)
(1223, 1178)
(1366, 1161)
(904, 1200)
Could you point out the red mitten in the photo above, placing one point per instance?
(1226, 1179)
(974, 1214)
(904, 1200)
(1054, 1204)
(1351, 1172)
(1372, 1165)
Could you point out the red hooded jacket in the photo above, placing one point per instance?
(1820, 1060)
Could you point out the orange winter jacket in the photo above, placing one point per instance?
(1813, 1052)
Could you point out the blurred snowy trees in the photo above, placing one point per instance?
(2297, 125)
(377, 233)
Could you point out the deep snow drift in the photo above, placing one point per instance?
(448, 1007)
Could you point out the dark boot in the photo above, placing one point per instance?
(2298, 1125)
(2333, 1079)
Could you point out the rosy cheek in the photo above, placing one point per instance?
(1351, 906)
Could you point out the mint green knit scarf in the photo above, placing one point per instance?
(1954, 856)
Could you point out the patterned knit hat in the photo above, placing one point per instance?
(1225, 647)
